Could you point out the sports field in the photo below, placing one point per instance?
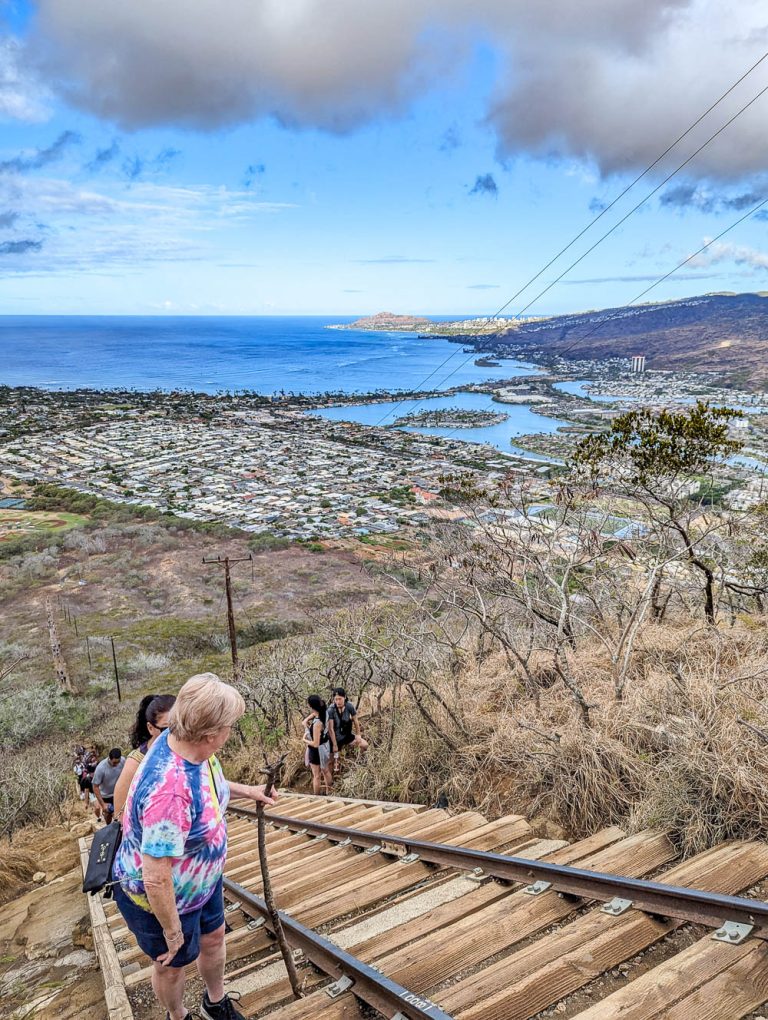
(15, 523)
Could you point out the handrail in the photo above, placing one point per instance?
(681, 902)
(374, 988)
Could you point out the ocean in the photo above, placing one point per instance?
(265, 354)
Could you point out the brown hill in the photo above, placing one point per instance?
(725, 334)
(388, 320)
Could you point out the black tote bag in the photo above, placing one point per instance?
(98, 873)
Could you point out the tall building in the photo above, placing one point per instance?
(638, 363)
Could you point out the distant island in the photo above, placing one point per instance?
(388, 321)
(450, 418)
(723, 334)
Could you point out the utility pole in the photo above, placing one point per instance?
(226, 562)
(114, 663)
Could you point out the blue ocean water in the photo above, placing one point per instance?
(264, 354)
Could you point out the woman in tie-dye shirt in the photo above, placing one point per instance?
(170, 862)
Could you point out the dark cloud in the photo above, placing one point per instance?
(485, 185)
(136, 167)
(597, 205)
(451, 139)
(390, 260)
(165, 157)
(688, 195)
(8, 218)
(41, 157)
(103, 157)
(252, 172)
(133, 167)
(482, 286)
(19, 247)
(565, 78)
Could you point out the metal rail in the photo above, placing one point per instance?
(351, 974)
(711, 909)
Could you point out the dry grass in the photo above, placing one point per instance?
(676, 754)
(16, 870)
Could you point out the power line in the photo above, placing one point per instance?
(666, 276)
(592, 222)
(623, 220)
(756, 208)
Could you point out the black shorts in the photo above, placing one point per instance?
(345, 738)
(314, 755)
(85, 783)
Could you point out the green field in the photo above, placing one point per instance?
(15, 523)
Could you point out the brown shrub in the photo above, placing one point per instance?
(16, 869)
(685, 751)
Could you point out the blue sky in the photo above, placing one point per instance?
(408, 168)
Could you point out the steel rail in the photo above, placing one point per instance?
(378, 991)
(710, 909)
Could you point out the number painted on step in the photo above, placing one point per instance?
(415, 1000)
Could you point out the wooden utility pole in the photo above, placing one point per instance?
(117, 675)
(59, 662)
(226, 562)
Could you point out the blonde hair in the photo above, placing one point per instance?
(204, 705)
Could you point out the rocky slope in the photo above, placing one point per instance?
(725, 334)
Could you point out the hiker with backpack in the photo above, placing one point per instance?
(318, 753)
(343, 725)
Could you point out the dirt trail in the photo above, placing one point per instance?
(47, 964)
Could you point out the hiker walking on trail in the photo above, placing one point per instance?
(151, 721)
(87, 768)
(104, 781)
(343, 725)
(168, 869)
(78, 768)
(318, 753)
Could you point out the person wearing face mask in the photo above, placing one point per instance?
(168, 868)
(151, 721)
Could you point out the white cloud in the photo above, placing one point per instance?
(22, 97)
(82, 229)
(739, 254)
(604, 82)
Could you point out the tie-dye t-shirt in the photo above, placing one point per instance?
(173, 811)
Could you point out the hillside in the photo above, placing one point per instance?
(722, 333)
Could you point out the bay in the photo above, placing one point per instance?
(264, 354)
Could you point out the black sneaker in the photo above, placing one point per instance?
(224, 1010)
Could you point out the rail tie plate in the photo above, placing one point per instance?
(732, 933)
(656, 898)
(374, 988)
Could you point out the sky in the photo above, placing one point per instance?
(270, 157)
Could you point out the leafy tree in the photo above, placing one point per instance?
(647, 447)
(653, 459)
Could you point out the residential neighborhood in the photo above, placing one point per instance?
(276, 470)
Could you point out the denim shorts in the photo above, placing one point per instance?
(149, 931)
